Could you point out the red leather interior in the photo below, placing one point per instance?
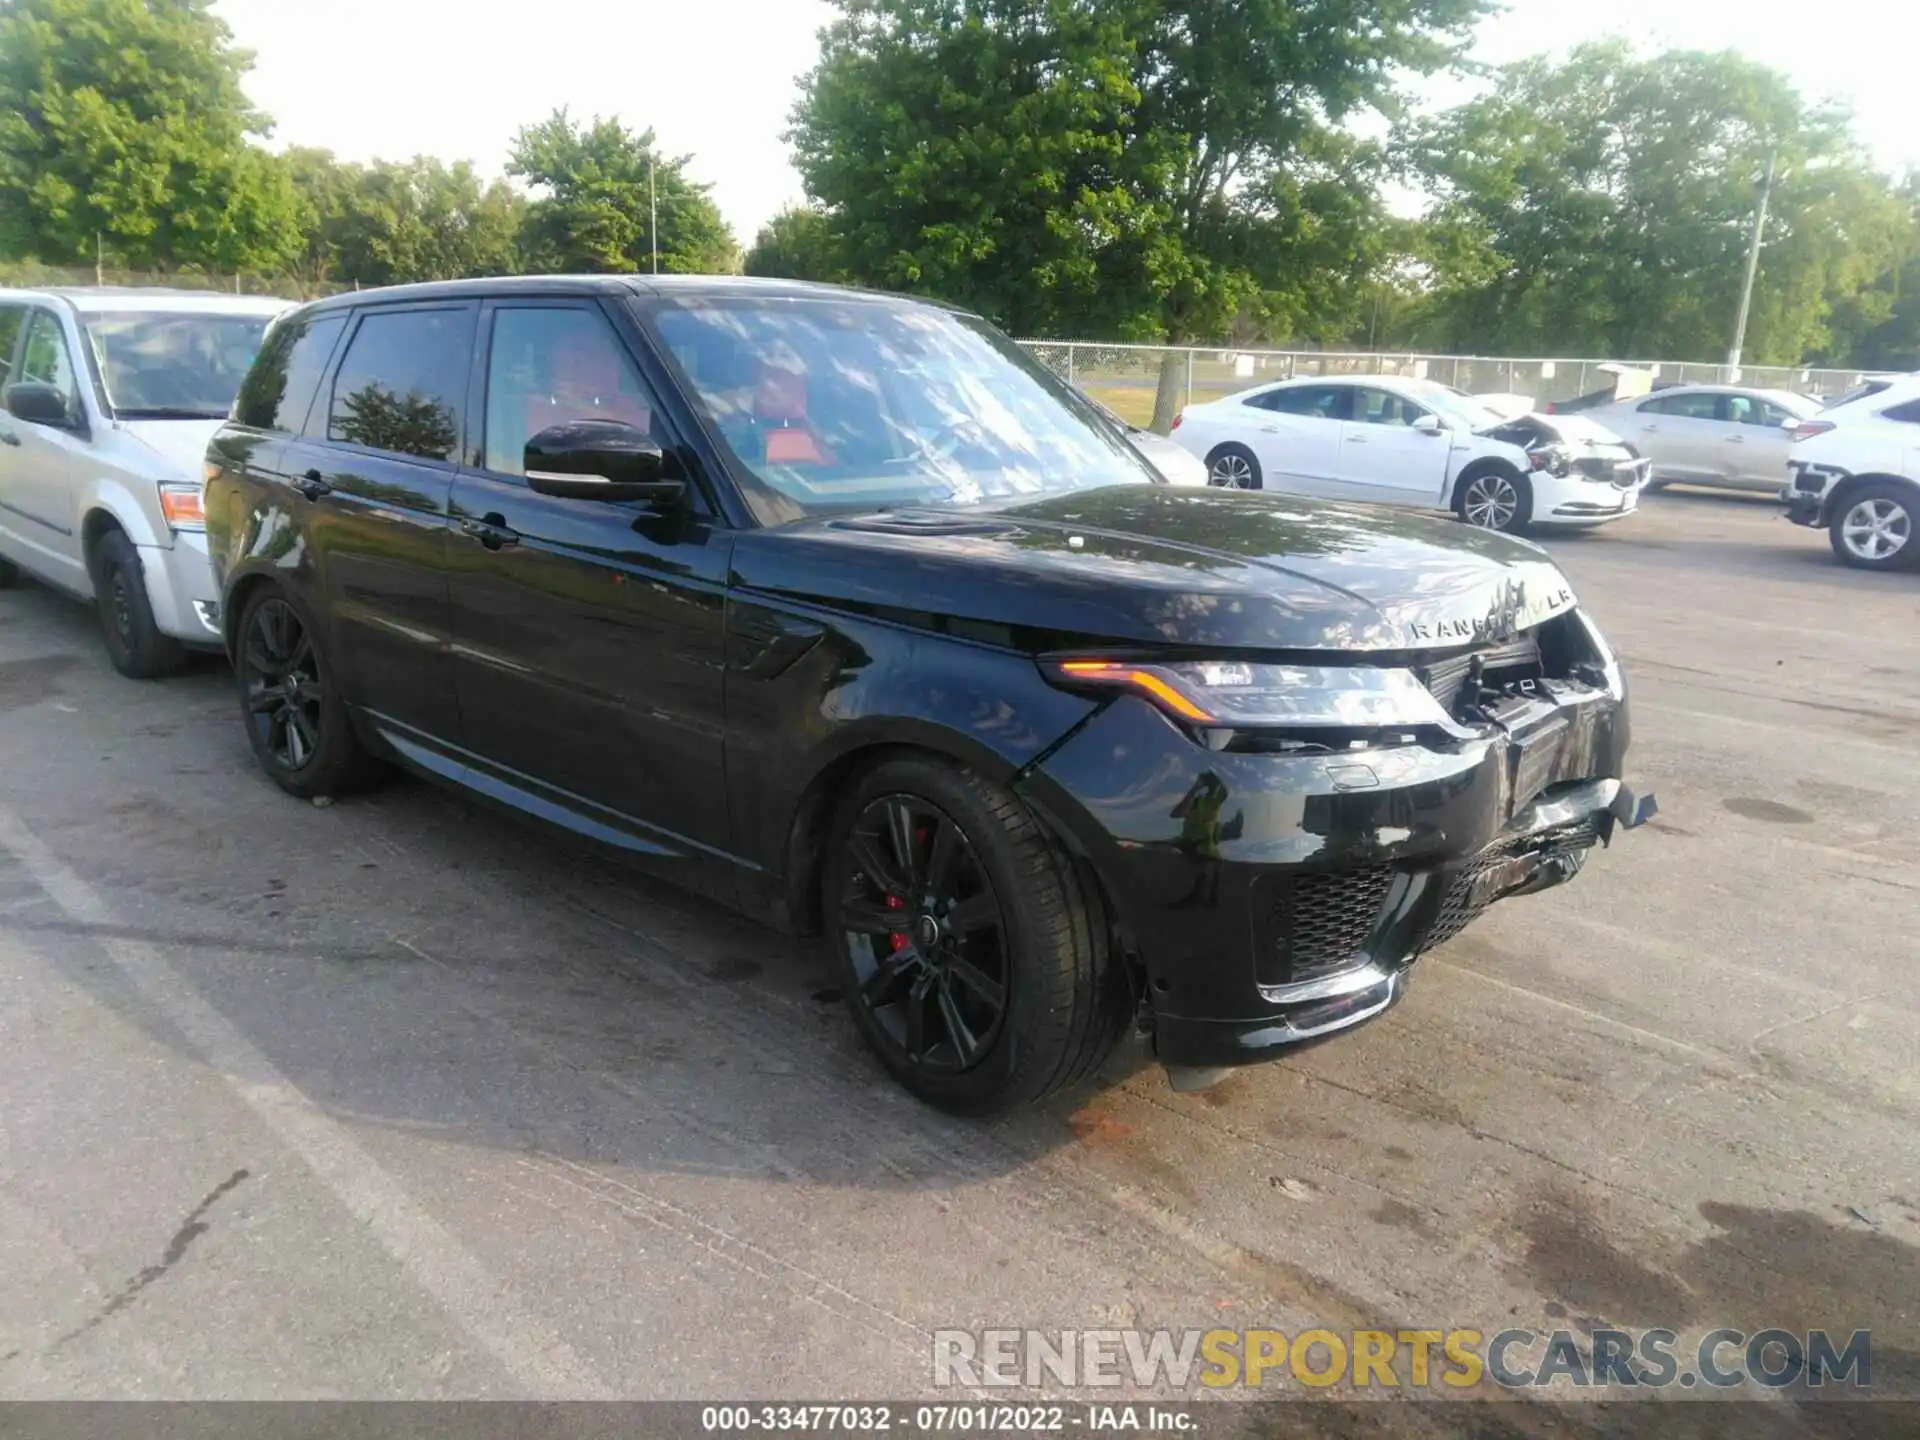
(780, 408)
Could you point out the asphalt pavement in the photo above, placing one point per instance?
(399, 1098)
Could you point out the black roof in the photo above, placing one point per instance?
(691, 286)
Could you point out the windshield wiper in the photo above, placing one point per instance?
(167, 412)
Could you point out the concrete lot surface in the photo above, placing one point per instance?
(397, 1098)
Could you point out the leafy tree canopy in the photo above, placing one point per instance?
(1603, 206)
(123, 126)
(591, 208)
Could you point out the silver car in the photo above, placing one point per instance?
(1726, 436)
(107, 400)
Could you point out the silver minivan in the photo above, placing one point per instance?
(107, 400)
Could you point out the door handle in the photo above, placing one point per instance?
(1356, 439)
(1649, 429)
(7, 437)
(1736, 439)
(491, 531)
(313, 485)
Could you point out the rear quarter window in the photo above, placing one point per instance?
(279, 389)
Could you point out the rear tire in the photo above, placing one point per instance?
(1874, 529)
(976, 962)
(290, 702)
(1233, 467)
(134, 643)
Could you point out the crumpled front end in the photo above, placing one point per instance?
(1279, 884)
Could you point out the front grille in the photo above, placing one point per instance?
(1460, 907)
(1325, 920)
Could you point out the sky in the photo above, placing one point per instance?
(717, 78)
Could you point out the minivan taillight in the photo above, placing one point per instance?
(1807, 429)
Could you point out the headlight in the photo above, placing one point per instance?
(1240, 694)
(182, 503)
(1554, 459)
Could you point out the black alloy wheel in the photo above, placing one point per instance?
(924, 935)
(280, 672)
(295, 720)
(976, 955)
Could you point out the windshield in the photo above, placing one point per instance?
(1463, 410)
(173, 366)
(833, 405)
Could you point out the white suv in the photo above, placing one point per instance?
(1854, 470)
(107, 401)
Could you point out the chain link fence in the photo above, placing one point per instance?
(1127, 378)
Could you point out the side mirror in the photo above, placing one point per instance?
(1429, 425)
(600, 460)
(39, 405)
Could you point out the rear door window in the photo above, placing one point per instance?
(279, 389)
(400, 382)
(1684, 407)
(1315, 402)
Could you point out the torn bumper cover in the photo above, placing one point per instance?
(1298, 913)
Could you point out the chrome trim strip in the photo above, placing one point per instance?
(1327, 987)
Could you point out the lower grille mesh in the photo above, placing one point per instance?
(1327, 920)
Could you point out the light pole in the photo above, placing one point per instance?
(1753, 263)
(653, 218)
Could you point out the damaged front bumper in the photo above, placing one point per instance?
(1298, 912)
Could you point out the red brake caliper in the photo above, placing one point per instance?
(897, 942)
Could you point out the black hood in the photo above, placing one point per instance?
(1156, 564)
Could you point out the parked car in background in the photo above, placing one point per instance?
(838, 607)
(1413, 442)
(107, 400)
(1168, 457)
(1726, 436)
(1854, 470)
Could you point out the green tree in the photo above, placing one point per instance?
(1139, 169)
(797, 244)
(591, 208)
(123, 126)
(390, 222)
(1603, 206)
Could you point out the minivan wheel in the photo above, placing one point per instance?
(977, 965)
(1874, 529)
(296, 721)
(134, 643)
(1233, 467)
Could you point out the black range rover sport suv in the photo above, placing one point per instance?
(838, 608)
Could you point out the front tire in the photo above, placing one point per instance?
(135, 644)
(976, 963)
(1874, 530)
(296, 721)
(1495, 497)
(1233, 467)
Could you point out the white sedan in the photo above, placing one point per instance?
(1414, 442)
(1719, 435)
